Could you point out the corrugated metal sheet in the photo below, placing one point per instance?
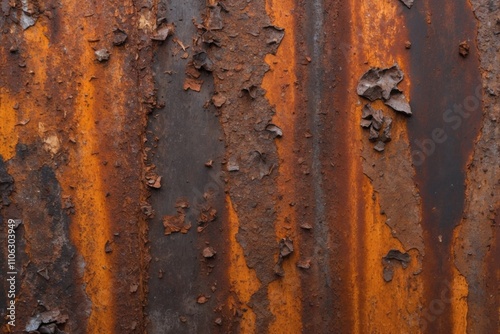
(199, 167)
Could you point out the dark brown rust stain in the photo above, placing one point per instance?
(442, 79)
(187, 292)
(47, 262)
(476, 246)
(321, 163)
(322, 189)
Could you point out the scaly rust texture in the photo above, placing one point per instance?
(443, 82)
(72, 142)
(387, 200)
(250, 156)
(354, 197)
(280, 85)
(248, 112)
(476, 241)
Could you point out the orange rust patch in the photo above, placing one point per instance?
(385, 306)
(459, 307)
(39, 51)
(8, 135)
(28, 112)
(83, 181)
(379, 306)
(91, 223)
(243, 280)
(285, 294)
(90, 230)
(459, 291)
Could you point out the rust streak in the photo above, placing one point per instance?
(385, 307)
(377, 40)
(243, 280)
(8, 135)
(285, 294)
(90, 231)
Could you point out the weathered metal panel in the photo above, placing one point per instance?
(199, 166)
(72, 130)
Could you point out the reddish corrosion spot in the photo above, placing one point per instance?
(285, 293)
(243, 280)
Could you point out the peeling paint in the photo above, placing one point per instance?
(237, 124)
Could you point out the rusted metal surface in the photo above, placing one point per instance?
(72, 130)
(199, 166)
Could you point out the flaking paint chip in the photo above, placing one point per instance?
(399, 102)
(202, 299)
(306, 226)
(218, 100)
(381, 84)
(162, 33)
(276, 130)
(408, 3)
(102, 55)
(202, 61)
(119, 37)
(192, 84)
(304, 264)
(52, 144)
(209, 252)
(174, 224)
(154, 181)
(107, 247)
(463, 49)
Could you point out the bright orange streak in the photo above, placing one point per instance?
(285, 294)
(91, 224)
(90, 229)
(8, 135)
(378, 40)
(83, 179)
(27, 109)
(243, 280)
